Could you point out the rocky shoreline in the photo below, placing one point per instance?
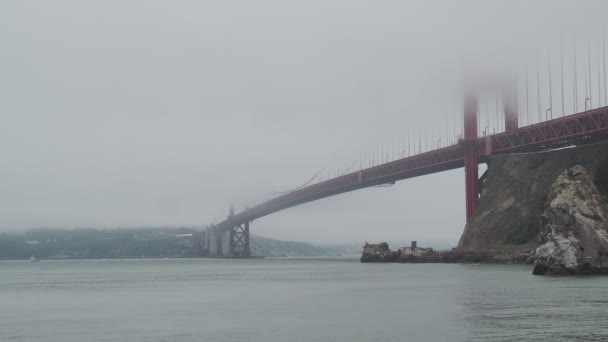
(574, 227)
(549, 209)
(458, 257)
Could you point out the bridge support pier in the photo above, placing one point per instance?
(230, 243)
(212, 241)
(224, 243)
(239, 241)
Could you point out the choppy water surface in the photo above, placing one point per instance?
(271, 300)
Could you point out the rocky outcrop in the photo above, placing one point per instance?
(471, 257)
(514, 194)
(518, 212)
(574, 227)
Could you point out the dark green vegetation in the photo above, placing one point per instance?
(134, 243)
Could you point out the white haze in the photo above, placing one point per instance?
(162, 113)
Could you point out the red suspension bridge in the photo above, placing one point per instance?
(230, 238)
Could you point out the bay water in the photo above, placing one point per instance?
(294, 299)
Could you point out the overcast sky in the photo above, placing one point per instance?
(162, 113)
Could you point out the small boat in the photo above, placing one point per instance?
(33, 259)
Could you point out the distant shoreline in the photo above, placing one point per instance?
(127, 258)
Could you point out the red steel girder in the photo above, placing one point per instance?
(561, 132)
(566, 131)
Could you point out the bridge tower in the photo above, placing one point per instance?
(239, 241)
(471, 170)
(510, 103)
(229, 242)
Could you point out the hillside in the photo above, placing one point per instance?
(133, 243)
(515, 191)
(263, 246)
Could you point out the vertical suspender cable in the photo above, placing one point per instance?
(550, 88)
(383, 153)
(538, 90)
(454, 125)
(461, 111)
(586, 85)
(403, 143)
(409, 151)
(413, 142)
(376, 154)
(411, 136)
(527, 98)
(478, 122)
(407, 136)
(589, 65)
(447, 133)
(517, 97)
(487, 128)
(604, 55)
(575, 82)
(432, 133)
(516, 100)
(401, 146)
(496, 128)
(561, 52)
(599, 81)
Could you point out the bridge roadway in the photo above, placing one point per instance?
(581, 128)
(561, 132)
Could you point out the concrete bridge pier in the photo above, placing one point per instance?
(224, 243)
(212, 241)
(229, 243)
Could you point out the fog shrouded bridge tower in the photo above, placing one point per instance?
(230, 238)
(473, 156)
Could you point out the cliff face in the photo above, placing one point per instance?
(574, 229)
(514, 195)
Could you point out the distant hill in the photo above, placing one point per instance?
(263, 246)
(138, 242)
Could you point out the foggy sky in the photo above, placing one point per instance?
(163, 113)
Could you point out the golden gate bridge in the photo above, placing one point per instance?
(503, 122)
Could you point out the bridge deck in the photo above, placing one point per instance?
(561, 132)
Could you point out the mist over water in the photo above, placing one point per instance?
(277, 300)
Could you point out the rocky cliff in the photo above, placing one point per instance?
(574, 228)
(513, 196)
